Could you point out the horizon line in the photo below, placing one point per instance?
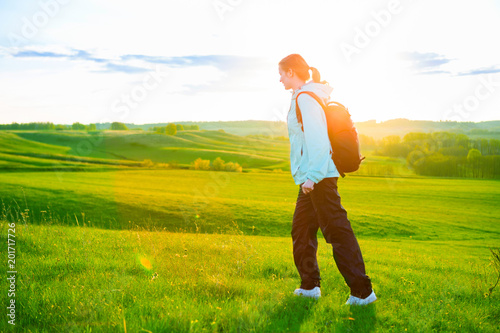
(227, 121)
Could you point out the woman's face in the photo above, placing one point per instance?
(285, 78)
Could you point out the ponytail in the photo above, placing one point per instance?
(316, 77)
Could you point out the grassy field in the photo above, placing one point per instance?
(259, 203)
(79, 279)
(228, 266)
(128, 148)
(108, 243)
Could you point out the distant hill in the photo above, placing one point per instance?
(485, 129)
(73, 150)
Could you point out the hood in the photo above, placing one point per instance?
(321, 90)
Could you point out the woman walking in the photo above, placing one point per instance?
(318, 203)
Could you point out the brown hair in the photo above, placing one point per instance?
(296, 63)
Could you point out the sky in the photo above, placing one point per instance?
(153, 61)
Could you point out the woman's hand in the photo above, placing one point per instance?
(308, 186)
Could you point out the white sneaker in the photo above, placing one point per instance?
(313, 293)
(361, 301)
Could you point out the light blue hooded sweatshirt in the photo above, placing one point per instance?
(310, 151)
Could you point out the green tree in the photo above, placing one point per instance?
(117, 126)
(474, 158)
(171, 129)
(200, 164)
(159, 129)
(392, 146)
(234, 167)
(179, 127)
(78, 127)
(147, 163)
(454, 151)
(414, 138)
(91, 127)
(218, 164)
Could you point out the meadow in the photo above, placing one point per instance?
(79, 279)
(129, 148)
(106, 245)
(226, 264)
(259, 203)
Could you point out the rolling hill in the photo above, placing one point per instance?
(104, 149)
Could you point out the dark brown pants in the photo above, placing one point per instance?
(321, 208)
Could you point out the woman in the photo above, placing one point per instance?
(318, 203)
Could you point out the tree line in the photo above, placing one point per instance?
(171, 129)
(442, 153)
(199, 164)
(118, 126)
(217, 165)
(40, 126)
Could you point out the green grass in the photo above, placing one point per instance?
(51, 152)
(126, 147)
(78, 279)
(260, 203)
(10, 141)
(219, 243)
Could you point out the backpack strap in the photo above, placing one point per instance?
(297, 109)
(313, 95)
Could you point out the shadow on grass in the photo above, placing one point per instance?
(361, 319)
(289, 314)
